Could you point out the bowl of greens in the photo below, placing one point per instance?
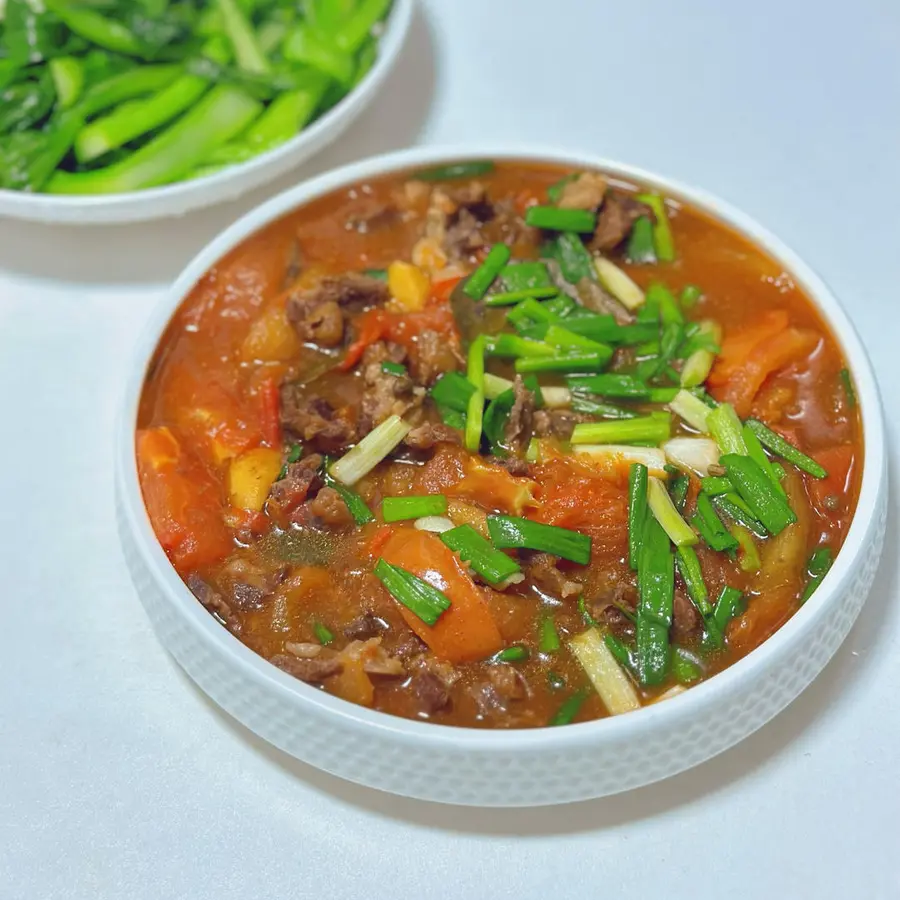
(126, 110)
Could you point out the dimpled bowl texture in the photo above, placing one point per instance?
(504, 767)
(232, 181)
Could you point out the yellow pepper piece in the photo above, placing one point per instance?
(250, 476)
(409, 287)
(271, 338)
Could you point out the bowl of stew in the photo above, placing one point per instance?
(500, 477)
(113, 117)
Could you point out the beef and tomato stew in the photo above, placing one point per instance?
(499, 445)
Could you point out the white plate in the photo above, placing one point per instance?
(505, 768)
(228, 183)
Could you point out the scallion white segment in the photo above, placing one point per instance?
(370, 451)
(652, 458)
(663, 509)
(692, 409)
(693, 454)
(611, 683)
(618, 284)
(437, 524)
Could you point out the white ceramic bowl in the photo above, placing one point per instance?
(230, 182)
(504, 768)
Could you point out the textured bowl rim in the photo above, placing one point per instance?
(737, 679)
(185, 195)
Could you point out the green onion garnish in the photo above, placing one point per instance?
(730, 604)
(453, 171)
(656, 574)
(663, 241)
(585, 613)
(554, 192)
(418, 596)
(475, 408)
(622, 386)
(323, 635)
(555, 680)
(379, 274)
(758, 455)
(637, 512)
(392, 368)
(491, 564)
(725, 427)
(710, 527)
(688, 565)
(397, 509)
(660, 297)
(370, 451)
(564, 337)
(667, 515)
(601, 410)
(514, 532)
(510, 297)
(653, 651)
(606, 675)
(757, 491)
(685, 669)
(849, 391)
(452, 417)
(453, 390)
(786, 450)
(555, 219)
(516, 653)
(523, 275)
(569, 709)
(749, 557)
(482, 278)
(355, 504)
(640, 243)
(690, 296)
(293, 456)
(619, 650)
(548, 636)
(567, 362)
(654, 428)
(715, 485)
(733, 506)
(574, 260)
(515, 346)
(817, 568)
(529, 312)
(678, 489)
(561, 306)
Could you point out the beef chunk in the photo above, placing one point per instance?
(500, 691)
(378, 217)
(315, 421)
(542, 570)
(289, 492)
(376, 660)
(313, 670)
(433, 355)
(318, 314)
(585, 191)
(455, 217)
(385, 394)
(518, 429)
(364, 627)
(686, 620)
(617, 217)
(249, 584)
(515, 465)
(608, 608)
(558, 423)
(213, 601)
(329, 508)
(424, 437)
(432, 694)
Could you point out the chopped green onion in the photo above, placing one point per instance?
(710, 526)
(692, 454)
(730, 604)
(640, 244)
(817, 568)
(656, 573)
(749, 556)
(529, 312)
(653, 651)
(758, 455)
(436, 524)
(786, 450)
(569, 709)
(418, 596)
(560, 336)
(757, 492)
(555, 191)
(511, 297)
(585, 613)
(513, 532)
(737, 510)
(690, 296)
(556, 219)
(378, 274)
(494, 386)
(495, 567)
(603, 410)
(618, 283)
(663, 241)
(355, 504)
(570, 362)
(699, 363)
(515, 653)
(619, 650)
(574, 260)
(778, 469)
(725, 427)
(474, 421)
(688, 565)
(556, 682)
(715, 485)
(515, 346)
(396, 509)
(847, 384)
(611, 683)
(548, 636)
(660, 297)
(323, 634)
(482, 278)
(371, 450)
(623, 454)
(294, 454)
(392, 368)
(667, 515)
(685, 668)
(524, 275)
(662, 394)
(693, 410)
(622, 386)
(637, 512)
(561, 306)
(454, 171)
(654, 428)
(452, 417)
(678, 491)
(453, 390)
(556, 397)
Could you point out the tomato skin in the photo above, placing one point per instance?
(184, 502)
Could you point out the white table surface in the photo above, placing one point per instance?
(119, 779)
